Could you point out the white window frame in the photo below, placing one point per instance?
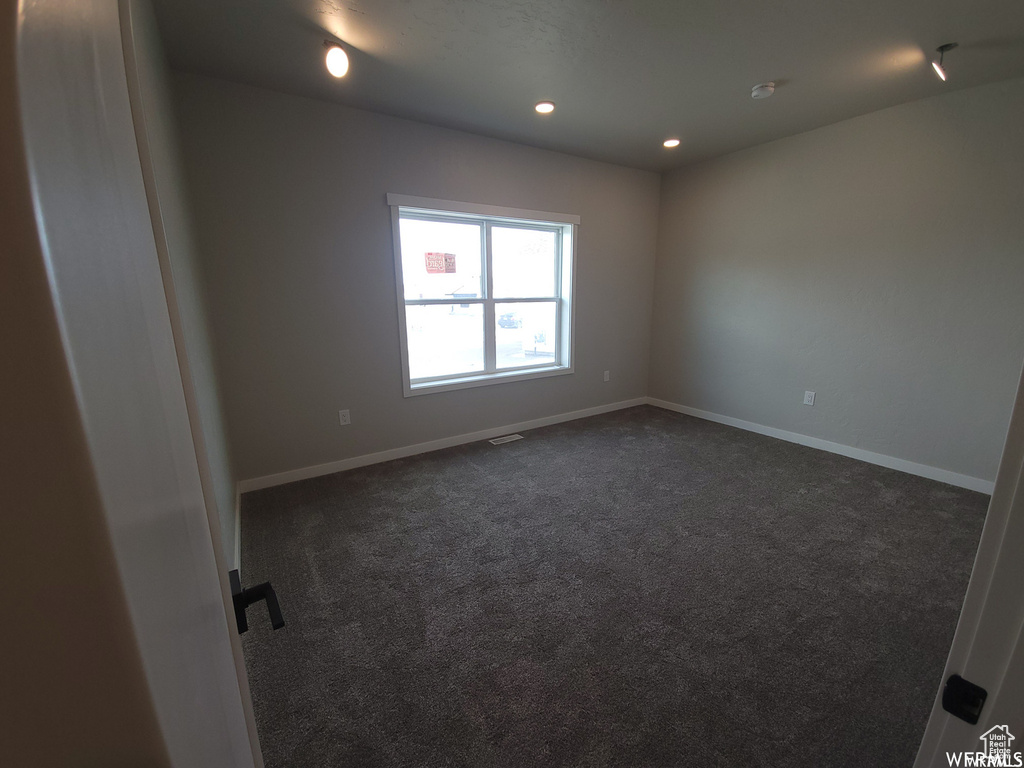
(566, 225)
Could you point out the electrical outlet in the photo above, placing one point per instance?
(607, 375)
(808, 398)
(344, 418)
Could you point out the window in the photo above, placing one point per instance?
(484, 293)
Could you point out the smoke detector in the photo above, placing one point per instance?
(762, 91)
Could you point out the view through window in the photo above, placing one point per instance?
(485, 297)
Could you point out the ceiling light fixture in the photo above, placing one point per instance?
(937, 65)
(545, 107)
(762, 91)
(337, 59)
(670, 143)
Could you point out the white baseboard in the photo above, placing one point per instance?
(304, 473)
(913, 468)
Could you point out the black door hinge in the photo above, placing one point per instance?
(963, 699)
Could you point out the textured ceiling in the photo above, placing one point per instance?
(625, 74)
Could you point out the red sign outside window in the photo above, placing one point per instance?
(440, 263)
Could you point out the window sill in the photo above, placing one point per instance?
(484, 379)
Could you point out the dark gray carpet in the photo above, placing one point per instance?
(636, 589)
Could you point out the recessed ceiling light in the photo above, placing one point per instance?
(337, 59)
(671, 143)
(545, 107)
(937, 65)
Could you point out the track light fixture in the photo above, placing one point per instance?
(937, 65)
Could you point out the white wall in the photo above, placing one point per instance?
(291, 220)
(156, 130)
(878, 261)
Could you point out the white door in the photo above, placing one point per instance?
(988, 648)
(98, 242)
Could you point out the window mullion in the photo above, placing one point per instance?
(441, 302)
(558, 303)
(490, 345)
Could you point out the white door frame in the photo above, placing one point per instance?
(987, 648)
(98, 242)
(136, 21)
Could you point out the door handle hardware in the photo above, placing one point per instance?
(243, 598)
(963, 699)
